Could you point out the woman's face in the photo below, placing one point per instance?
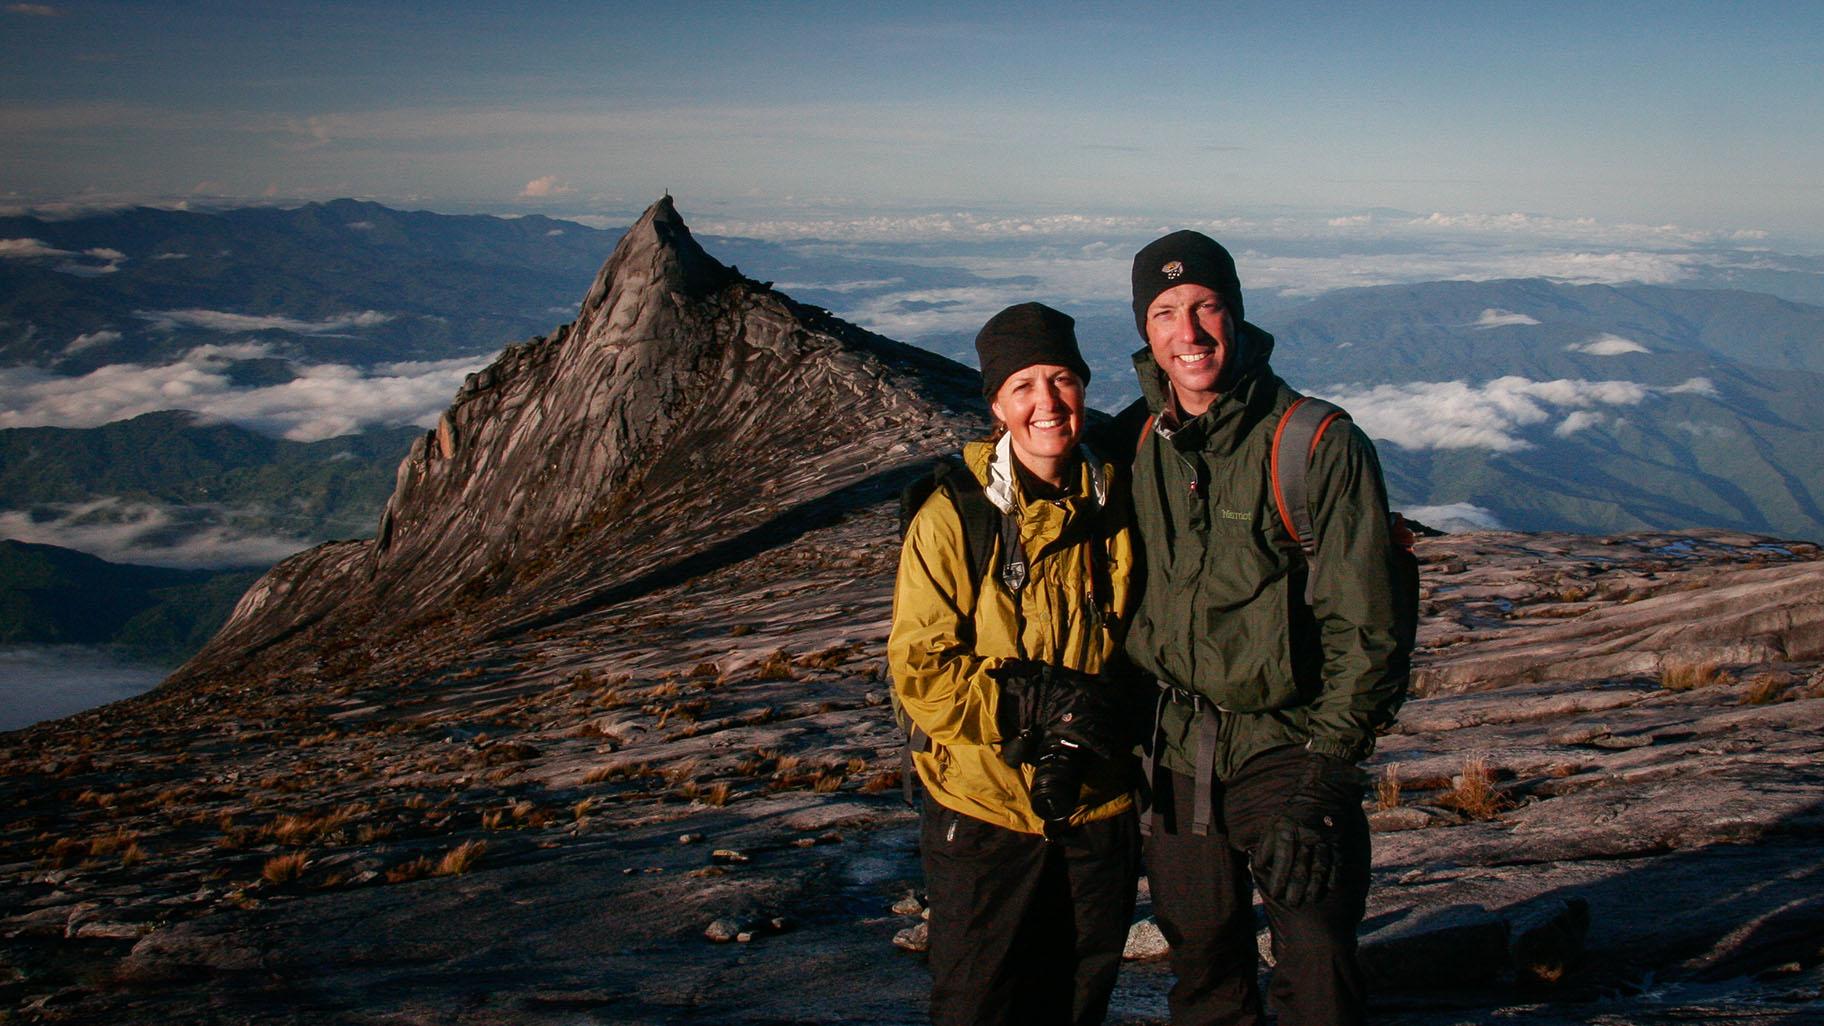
(1042, 406)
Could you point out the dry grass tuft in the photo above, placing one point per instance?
(777, 666)
(110, 844)
(419, 867)
(285, 868)
(706, 669)
(885, 780)
(303, 829)
(1765, 688)
(717, 794)
(462, 858)
(1475, 794)
(1387, 788)
(1686, 674)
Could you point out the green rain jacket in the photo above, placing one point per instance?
(1222, 615)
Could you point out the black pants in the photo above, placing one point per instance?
(1025, 930)
(1203, 899)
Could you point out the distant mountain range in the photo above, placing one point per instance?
(343, 281)
(1525, 404)
(51, 595)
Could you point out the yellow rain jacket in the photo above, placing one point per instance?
(949, 630)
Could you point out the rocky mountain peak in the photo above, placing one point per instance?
(686, 407)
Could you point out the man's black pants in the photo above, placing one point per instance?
(1025, 930)
(1203, 899)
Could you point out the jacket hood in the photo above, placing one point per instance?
(1253, 356)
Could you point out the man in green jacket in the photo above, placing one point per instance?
(1273, 686)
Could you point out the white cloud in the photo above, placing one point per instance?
(124, 531)
(34, 10)
(1608, 344)
(554, 231)
(34, 249)
(545, 188)
(30, 249)
(864, 285)
(1704, 430)
(172, 256)
(222, 320)
(360, 226)
(1694, 386)
(1493, 318)
(323, 401)
(1458, 415)
(89, 340)
(1577, 421)
(1456, 516)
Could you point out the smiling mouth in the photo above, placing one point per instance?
(1194, 357)
(1047, 425)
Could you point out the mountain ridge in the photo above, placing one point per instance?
(677, 370)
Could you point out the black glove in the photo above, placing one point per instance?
(1040, 701)
(1300, 853)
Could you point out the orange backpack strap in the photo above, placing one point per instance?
(1294, 440)
(1145, 429)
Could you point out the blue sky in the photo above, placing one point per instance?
(1705, 116)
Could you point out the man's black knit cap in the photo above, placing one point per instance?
(1020, 336)
(1184, 257)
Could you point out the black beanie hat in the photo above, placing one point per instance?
(1020, 336)
(1184, 257)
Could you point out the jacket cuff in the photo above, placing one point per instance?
(1340, 748)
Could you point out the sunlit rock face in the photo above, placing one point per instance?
(687, 413)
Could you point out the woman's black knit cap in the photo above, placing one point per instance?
(1181, 258)
(1020, 336)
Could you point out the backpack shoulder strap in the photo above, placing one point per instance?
(981, 521)
(1294, 440)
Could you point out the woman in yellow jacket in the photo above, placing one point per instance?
(1028, 834)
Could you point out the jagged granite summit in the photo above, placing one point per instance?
(687, 417)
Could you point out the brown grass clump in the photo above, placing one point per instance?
(371, 832)
(303, 829)
(828, 659)
(490, 820)
(133, 855)
(777, 666)
(706, 669)
(1765, 689)
(461, 859)
(741, 630)
(1387, 788)
(716, 795)
(419, 867)
(885, 780)
(1475, 794)
(1685, 674)
(109, 844)
(284, 868)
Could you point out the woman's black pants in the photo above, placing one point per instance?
(1026, 930)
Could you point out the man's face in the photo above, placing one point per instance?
(1042, 406)
(1192, 337)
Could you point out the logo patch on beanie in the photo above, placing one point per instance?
(1172, 270)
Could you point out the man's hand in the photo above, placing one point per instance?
(1039, 700)
(1299, 855)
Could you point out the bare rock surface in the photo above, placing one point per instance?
(480, 770)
